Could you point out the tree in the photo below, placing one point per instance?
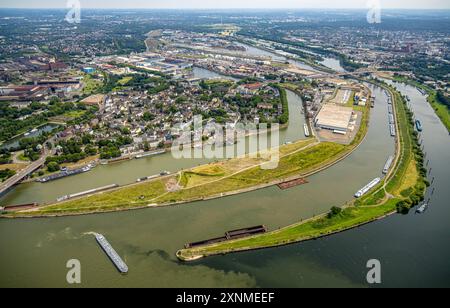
(53, 166)
(146, 146)
(335, 211)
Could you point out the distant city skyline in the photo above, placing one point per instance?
(208, 4)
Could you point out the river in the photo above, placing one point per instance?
(331, 63)
(14, 143)
(36, 250)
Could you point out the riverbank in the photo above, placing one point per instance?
(402, 189)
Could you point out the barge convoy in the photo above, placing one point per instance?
(64, 174)
(230, 235)
(111, 253)
(367, 188)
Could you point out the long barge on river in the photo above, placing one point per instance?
(88, 192)
(388, 165)
(230, 235)
(367, 188)
(152, 177)
(392, 129)
(306, 129)
(19, 207)
(111, 253)
(149, 154)
(64, 174)
(293, 183)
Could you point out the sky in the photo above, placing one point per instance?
(218, 4)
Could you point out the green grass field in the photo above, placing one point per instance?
(91, 85)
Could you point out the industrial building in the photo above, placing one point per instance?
(335, 118)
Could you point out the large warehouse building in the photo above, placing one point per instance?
(335, 118)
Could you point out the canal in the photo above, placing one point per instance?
(331, 63)
(15, 142)
(148, 239)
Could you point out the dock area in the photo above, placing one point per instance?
(230, 235)
(293, 183)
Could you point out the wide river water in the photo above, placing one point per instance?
(414, 250)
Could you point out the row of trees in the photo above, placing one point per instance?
(6, 174)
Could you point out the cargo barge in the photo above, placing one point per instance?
(111, 253)
(388, 165)
(423, 92)
(19, 207)
(390, 109)
(293, 183)
(116, 160)
(148, 154)
(88, 192)
(419, 126)
(306, 129)
(391, 119)
(230, 235)
(392, 129)
(152, 177)
(64, 174)
(422, 209)
(367, 188)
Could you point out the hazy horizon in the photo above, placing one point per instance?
(230, 4)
